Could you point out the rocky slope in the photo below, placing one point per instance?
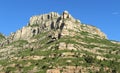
(53, 43)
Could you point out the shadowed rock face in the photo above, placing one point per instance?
(53, 21)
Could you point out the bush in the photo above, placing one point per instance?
(1, 36)
(89, 59)
(19, 43)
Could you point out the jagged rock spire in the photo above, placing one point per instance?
(65, 14)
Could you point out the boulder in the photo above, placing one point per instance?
(62, 45)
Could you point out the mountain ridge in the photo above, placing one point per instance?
(55, 18)
(53, 43)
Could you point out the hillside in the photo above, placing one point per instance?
(54, 43)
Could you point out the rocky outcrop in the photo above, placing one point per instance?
(93, 30)
(53, 43)
(73, 69)
(62, 46)
(53, 21)
(40, 19)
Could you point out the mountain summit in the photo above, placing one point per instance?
(60, 24)
(54, 43)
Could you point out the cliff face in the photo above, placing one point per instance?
(53, 21)
(53, 43)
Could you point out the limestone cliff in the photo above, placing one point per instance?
(61, 24)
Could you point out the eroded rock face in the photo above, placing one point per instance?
(65, 14)
(61, 24)
(25, 33)
(39, 19)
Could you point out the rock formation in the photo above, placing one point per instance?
(54, 43)
(53, 21)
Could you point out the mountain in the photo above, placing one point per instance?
(54, 43)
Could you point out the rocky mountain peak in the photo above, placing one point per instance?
(65, 14)
(54, 43)
(57, 25)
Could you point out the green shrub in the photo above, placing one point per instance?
(84, 33)
(89, 59)
(1, 36)
(19, 43)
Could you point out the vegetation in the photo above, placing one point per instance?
(19, 43)
(34, 25)
(2, 36)
(85, 56)
(89, 59)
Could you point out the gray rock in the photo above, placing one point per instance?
(60, 24)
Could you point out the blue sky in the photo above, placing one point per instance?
(104, 14)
